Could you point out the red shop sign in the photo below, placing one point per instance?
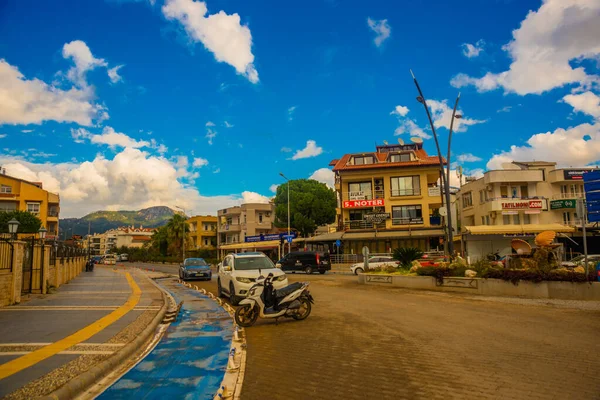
(364, 203)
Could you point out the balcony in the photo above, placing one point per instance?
(407, 221)
(376, 194)
(360, 225)
(406, 192)
(53, 213)
(435, 221)
(230, 227)
(513, 176)
(567, 196)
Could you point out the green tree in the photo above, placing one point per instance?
(29, 223)
(312, 204)
(168, 240)
(406, 255)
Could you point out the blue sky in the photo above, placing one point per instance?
(124, 104)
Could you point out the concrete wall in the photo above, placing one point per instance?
(490, 287)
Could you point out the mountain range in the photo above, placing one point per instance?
(101, 221)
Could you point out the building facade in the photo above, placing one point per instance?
(398, 182)
(20, 195)
(521, 201)
(235, 223)
(126, 236)
(203, 231)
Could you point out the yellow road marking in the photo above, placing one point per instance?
(26, 361)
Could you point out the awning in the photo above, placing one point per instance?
(255, 245)
(326, 237)
(516, 229)
(393, 234)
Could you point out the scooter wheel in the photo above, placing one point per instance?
(246, 315)
(304, 311)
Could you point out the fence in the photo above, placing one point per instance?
(6, 255)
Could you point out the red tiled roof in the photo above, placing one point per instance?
(423, 160)
(141, 238)
(333, 162)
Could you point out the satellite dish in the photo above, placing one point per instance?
(385, 142)
(400, 141)
(416, 140)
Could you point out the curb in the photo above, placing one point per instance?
(85, 380)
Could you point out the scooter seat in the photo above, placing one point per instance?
(281, 293)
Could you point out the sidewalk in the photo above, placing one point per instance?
(53, 338)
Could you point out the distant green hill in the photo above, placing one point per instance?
(102, 221)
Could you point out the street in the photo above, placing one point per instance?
(364, 342)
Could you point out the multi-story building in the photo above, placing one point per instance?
(250, 219)
(18, 194)
(203, 231)
(521, 200)
(399, 182)
(126, 236)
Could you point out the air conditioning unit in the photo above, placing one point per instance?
(379, 182)
(378, 188)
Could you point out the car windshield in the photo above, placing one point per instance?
(195, 262)
(249, 263)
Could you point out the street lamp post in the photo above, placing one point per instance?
(288, 209)
(445, 175)
(182, 237)
(42, 231)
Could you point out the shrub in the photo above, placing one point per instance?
(387, 269)
(406, 255)
(533, 275)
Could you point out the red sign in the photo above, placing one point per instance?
(523, 204)
(364, 203)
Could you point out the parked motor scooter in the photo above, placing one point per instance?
(293, 301)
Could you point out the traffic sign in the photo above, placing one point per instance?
(338, 243)
(290, 238)
(591, 184)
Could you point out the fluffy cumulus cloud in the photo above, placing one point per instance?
(324, 175)
(381, 28)
(273, 188)
(83, 59)
(442, 116)
(200, 162)
(400, 111)
(24, 101)
(546, 50)
(473, 50)
(210, 135)
(210, 123)
(109, 137)
(252, 197)
(220, 33)
(467, 157)
(576, 146)
(113, 74)
(587, 103)
(407, 125)
(311, 150)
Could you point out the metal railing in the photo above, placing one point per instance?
(53, 213)
(406, 192)
(567, 196)
(351, 225)
(407, 221)
(6, 253)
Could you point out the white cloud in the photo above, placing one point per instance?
(162, 149)
(291, 112)
(504, 109)
(442, 115)
(220, 33)
(228, 125)
(324, 175)
(543, 47)
(311, 150)
(587, 103)
(381, 28)
(286, 150)
(116, 139)
(467, 157)
(472, 50)
(33, 101)
(576, 146)
(2, 135)
(84, 61)
(200, 162)
(113, 74)
(210, 123)
(273, 188)
(216, 170)
(252, 197)
(409, 126)
(400, 111)
(27, 130)
(210, 135)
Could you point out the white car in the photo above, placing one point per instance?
(238, 273)
(593, 259)
(374, 262)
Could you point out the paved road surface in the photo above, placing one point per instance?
(363, 342)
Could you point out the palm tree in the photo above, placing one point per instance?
(175, 234)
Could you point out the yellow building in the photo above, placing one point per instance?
(203, 231)
(20, 195)
(400, 184)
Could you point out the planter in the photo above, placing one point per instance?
(489, 287)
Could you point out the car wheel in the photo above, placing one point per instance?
(219, 289)
(308, 270)
(358, 271)
(233, 299)
(322, 271)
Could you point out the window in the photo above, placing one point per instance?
(363, 160)
(567, 218)
(483, 221)
(526, 219)
(504, 191)
(514, 192)
(406, 186)
(524, 191)
(506, 219)
(206, 242)
(229, 220)
(516, 219)
(8, 206)
(487, 219)
(360, 191)
(467, 199)
(260, 218)
(357, 215)
(400, 157)
(482, 196)
(404, 215)
(5, 189)
(33, 208)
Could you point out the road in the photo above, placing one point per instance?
(365, 342)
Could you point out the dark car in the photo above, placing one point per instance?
(195, 268)
(307, 261)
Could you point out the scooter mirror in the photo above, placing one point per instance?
(270, 275)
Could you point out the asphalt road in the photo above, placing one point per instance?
(365, 342)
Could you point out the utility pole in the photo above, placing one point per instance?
(288, 210)
(89, 229)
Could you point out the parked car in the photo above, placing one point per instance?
(433, 262)
(306, 261)
(580, 260)
(123, 257)
(195, 268)
(238, 273)
(374, 262)
(110, 259)
(96, 259)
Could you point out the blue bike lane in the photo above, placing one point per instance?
(190, 360)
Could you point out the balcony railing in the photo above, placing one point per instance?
(406, 192)
(53, 213)
(355, 225)
(567, 196)
(376, 194)
(230, 227)
(435, 221)
(407, 221)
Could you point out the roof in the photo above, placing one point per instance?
(333, 236)
(141, 238)
(422, 160)
(249, 254)
(516, 229)
(255, 245)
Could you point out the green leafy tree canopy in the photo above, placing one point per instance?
(29, 223)
(312, 204)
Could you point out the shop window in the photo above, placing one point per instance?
(506, 219)
(516, 219)
(526, 219)
(406, 186)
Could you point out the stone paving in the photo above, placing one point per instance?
(364, 342)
